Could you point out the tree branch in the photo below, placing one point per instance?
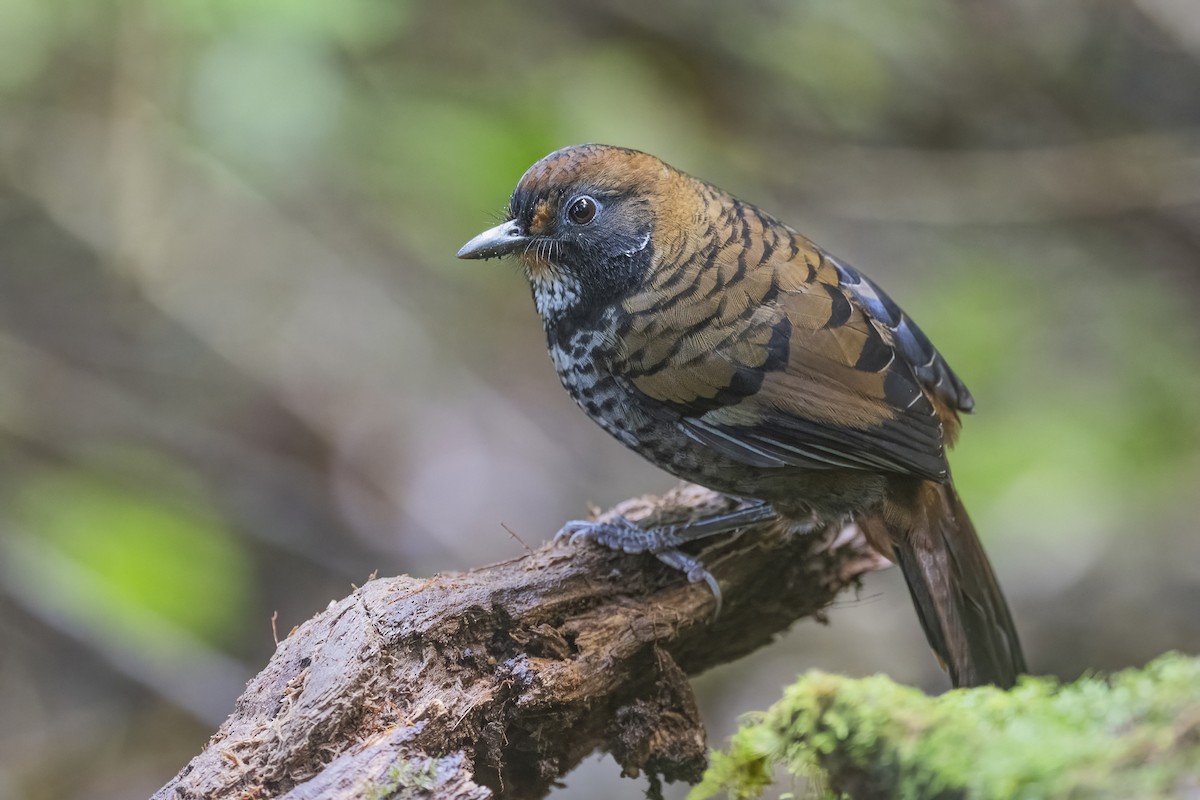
(498, 681)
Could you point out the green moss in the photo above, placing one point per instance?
(408, 779)
(1136, 734)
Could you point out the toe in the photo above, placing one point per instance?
(572, 530)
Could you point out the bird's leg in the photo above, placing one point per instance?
(664, 540)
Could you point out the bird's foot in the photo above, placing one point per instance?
(664, 541)
(695, 572)
(621, 534)
(615, 534)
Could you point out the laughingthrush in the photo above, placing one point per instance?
(731, 351)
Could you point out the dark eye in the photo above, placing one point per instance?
(582, 210)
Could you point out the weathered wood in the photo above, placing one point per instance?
(498, 681)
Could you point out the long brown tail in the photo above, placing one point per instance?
(957, 597)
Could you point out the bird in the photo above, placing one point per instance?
(733, 352)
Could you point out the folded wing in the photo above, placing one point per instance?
(776, 355)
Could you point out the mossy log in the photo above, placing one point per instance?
(1133, 735)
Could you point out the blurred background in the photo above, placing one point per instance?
(241, 370)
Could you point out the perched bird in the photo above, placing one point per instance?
(730, 350)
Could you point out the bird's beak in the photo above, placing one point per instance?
(498, 241)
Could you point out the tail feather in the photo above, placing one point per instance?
(956, 594)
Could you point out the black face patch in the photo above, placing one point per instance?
(603, 260)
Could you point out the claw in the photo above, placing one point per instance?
(577, 530)
(695, 572)
(616, 534)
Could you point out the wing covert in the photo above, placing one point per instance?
(776, 355)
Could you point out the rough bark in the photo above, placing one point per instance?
(496, 682)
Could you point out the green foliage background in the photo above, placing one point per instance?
(241, 370)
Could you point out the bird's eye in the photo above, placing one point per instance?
(582, 210)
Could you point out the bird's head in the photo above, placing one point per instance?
(584, 222)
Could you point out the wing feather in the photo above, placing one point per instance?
(776, 355)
